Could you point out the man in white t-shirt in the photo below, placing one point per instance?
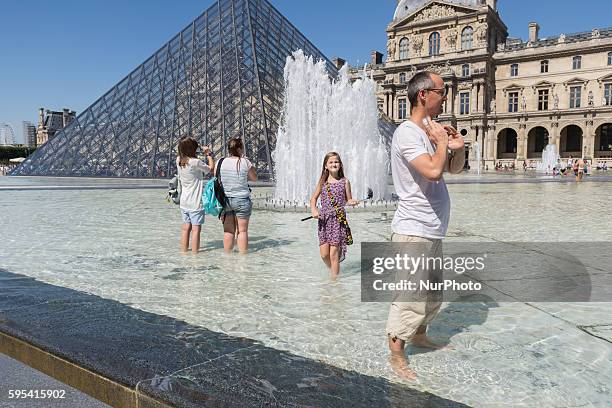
(421, 151)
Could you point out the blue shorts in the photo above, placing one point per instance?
(241, 207)
(193, 217)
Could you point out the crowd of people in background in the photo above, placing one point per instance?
(576, 167)
(6, 168)
(499, 166)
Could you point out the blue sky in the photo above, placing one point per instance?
(69, 53)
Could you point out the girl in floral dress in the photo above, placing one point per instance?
(335, 192)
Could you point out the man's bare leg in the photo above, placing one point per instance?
(398, 361)
(420, 339)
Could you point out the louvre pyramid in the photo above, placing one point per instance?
(220, 77)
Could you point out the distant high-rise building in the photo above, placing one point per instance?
(51, 122)
(29, 134)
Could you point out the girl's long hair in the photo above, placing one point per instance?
(236, 149)
(187, 150)
(325, 172)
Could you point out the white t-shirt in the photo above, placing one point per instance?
(192, 183)
(234, 177)
(424, 206)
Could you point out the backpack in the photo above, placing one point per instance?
(174, 190)
(213, 197)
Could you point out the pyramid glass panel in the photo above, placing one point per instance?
(219, 78)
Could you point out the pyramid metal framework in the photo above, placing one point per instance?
(221, 77)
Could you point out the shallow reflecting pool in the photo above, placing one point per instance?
(123, 245)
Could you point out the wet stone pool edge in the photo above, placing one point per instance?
(124, 357)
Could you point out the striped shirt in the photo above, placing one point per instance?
(234, 177)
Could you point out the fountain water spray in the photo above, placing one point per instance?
(478, 155)
(550, 159)
(319, 116)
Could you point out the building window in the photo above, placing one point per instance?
(576, 62)
(608, 94)
(402, 108)
(403, 48)
(575, 93)
(464, 103)
(605, 138)
(544, 66)
(402, 78)
(514, 70)
(541, 139)
(434, 44)
(513, 103)
(465, 70)
(610, 58)
(467, 36)
(543, 99)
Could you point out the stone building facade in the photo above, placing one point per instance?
(509, 98)
(51, 122)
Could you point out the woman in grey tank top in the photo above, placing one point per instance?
(235, 173)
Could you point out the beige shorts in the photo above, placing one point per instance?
(406, 317)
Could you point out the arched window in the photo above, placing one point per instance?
(467, 36)
(465, 70)
(402, 78)
(403, 48)
(576, 62)
(434, 44)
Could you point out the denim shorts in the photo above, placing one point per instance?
(241, 207)
(193, 217)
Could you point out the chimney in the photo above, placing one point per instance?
(534, 29)
(41, 117)
(377, 58)
(338, 62)
(65, 117)
(492, 4)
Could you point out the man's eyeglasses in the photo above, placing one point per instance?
(440, 91)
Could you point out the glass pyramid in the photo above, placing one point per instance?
(221, 77)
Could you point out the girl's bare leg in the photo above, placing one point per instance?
(334, 257)
(243, 235)
(324, 250)
(185, 237)
(195, 238)
(229, 231)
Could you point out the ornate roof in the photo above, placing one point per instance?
(407, 7)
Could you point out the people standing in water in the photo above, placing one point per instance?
(235, 173)
(190, 172)
(421, 151)
(335, 192)
(579, 169)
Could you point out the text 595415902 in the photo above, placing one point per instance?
(37, 394)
